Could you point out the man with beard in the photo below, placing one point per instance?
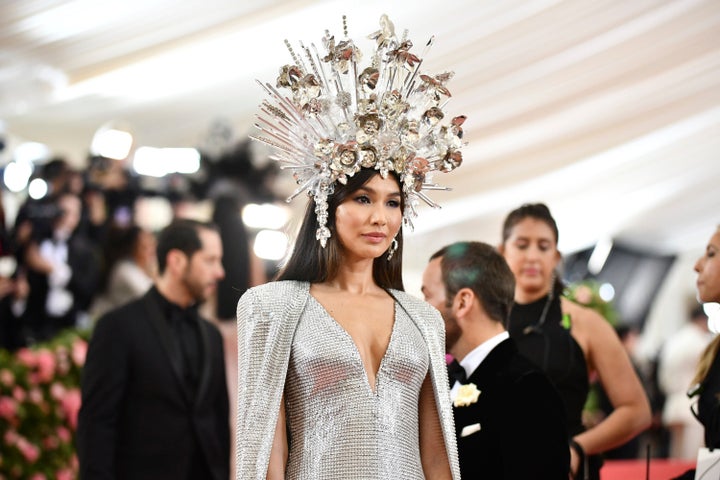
(154, 396)
(509, 420)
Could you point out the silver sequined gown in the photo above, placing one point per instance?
(337, 423)
(340, 427)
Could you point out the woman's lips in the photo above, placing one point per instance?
(375, 237)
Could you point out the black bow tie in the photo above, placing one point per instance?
(456, 372)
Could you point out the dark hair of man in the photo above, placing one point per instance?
(182, 234)
(538, 211)
(479, 267)
(310, 262)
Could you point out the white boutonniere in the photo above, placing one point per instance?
(466, 395)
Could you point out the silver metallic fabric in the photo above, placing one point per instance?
(339, 427)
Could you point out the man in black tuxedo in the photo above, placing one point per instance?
(509, 419)
(154, 396)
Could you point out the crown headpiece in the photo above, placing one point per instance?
(338, 119)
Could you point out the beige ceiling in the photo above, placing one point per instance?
(609, 111)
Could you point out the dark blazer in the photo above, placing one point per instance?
(138, 420)
(522, 432)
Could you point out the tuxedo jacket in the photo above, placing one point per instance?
(516, 429)
(138, 419)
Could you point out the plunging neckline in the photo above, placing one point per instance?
(373, 389)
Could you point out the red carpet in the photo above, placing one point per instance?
(660, 469)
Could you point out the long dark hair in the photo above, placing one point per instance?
(310, 262)
(538, 211)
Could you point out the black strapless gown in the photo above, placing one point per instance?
(554, 350)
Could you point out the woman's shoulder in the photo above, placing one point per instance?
(582, 316)
(589, 328)
(281, 287)
(273, 295)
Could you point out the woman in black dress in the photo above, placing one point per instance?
(569, 342)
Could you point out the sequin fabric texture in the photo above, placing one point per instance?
(279, 334)
(337, 423)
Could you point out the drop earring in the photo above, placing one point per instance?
(393, 248)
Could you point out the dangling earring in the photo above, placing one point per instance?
(393, 248)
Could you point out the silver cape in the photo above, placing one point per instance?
(268, 316)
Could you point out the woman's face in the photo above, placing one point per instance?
(368, 219)
(531, 252)
(708, 269)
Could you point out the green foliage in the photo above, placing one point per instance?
(587, 294)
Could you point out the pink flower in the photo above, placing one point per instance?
(19, 394)
(79, 351)
(26, 357)
(71, 406)
(64, 474)
(57, 391)
(38, 476)
(11, 437)
(7, 378)
(28, 450)
(8, 408)
(35, 395)
(46, 365)
(50, 443)
(63, 434)
(583, 294)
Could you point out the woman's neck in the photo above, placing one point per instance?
(524, 297)
(354, 278)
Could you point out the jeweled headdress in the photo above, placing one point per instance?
(339, 117)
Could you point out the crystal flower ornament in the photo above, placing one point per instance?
(327, 117)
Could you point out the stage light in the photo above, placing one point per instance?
(266, 215)
(37, 189)
(16, 176)
(112, 143)
(270, 244)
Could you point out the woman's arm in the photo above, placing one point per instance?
(605, 355)
(433, 453)
(279, 450)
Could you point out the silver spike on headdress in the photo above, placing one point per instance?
(339, 118)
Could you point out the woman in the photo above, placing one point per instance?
(129, 270)
(358, 386)
(342, 374)
(706, 383)
(707, 377)
(569, 342)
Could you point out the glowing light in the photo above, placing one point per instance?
(158, 162)
(606, 292)
(111, 143)
(16, 176)
(266, 215)
(30, 152)
(37, 189)
(270, 244)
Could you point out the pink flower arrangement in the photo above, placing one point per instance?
(39, 405)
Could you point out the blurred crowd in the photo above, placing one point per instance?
(71, 255)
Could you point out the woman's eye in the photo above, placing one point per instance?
(362, 199)
(393, 203)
